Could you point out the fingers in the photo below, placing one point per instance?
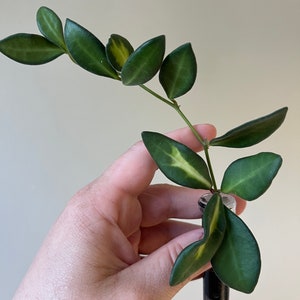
(134, 170)
(153, 272)
(155, 237)
(114, 194)
(240, 205)
(160, 202)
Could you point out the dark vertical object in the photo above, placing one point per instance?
(213, 288)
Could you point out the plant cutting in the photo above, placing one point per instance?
(228, 243)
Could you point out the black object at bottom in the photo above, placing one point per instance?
(213, 288)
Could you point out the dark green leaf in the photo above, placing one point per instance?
(237, 261)
(144, 62)
(251, 132)
(196, 255)
(250, 177)
(30, 49)
(178, 162)
(50, 26)
(118, 50)
(178, 71)
(87, 51)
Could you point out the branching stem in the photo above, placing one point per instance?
(173, 103)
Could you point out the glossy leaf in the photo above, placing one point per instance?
(178, 162)
(250, 177)
(251, 132)
(87, 51)
(50, 26)
(237, 261)
(199, 253)
(118, 49)
(144, 62)
(178, 71)
(30, 49)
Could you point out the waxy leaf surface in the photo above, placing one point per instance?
(87, 51)
(144, 62)
(196, 255)
(251, 132)
(178, 162)
(50, 26)
(178, 71)
(118, 50)
(237, 261)
(30, 49)
(250, 177)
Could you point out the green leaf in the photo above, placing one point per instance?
(199, 253)
(118, 50)
(250, 177)
(50, 26)
(144, 62)
(30, 49)
(178, 162)
(251, 132)
(178, 71)
(237, 261)
(87, 51)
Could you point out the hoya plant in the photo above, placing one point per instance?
(227, 243)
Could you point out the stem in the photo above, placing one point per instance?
(202, 141)
(169, 102)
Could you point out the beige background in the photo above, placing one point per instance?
(60, 127)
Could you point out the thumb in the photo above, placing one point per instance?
(150, 276)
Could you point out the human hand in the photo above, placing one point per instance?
(94, 249)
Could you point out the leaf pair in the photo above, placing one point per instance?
(247, 177)
(226, 243)
(250, 177)
(35, 49)
(80, 44)
(83, 47)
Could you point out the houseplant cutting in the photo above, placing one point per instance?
(228, 243)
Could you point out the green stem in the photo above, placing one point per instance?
(202, 141)
(169, 102)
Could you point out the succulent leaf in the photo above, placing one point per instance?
(178, 162)
(30, 49)
(144, 62)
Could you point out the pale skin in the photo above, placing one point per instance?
(94, 249)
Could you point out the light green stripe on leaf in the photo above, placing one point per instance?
(118, 49)
(199, 253)
(178, 162)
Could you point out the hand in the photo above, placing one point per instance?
(95, 249)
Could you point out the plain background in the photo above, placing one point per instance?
(60, 126)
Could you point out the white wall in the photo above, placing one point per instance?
(60, 127)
